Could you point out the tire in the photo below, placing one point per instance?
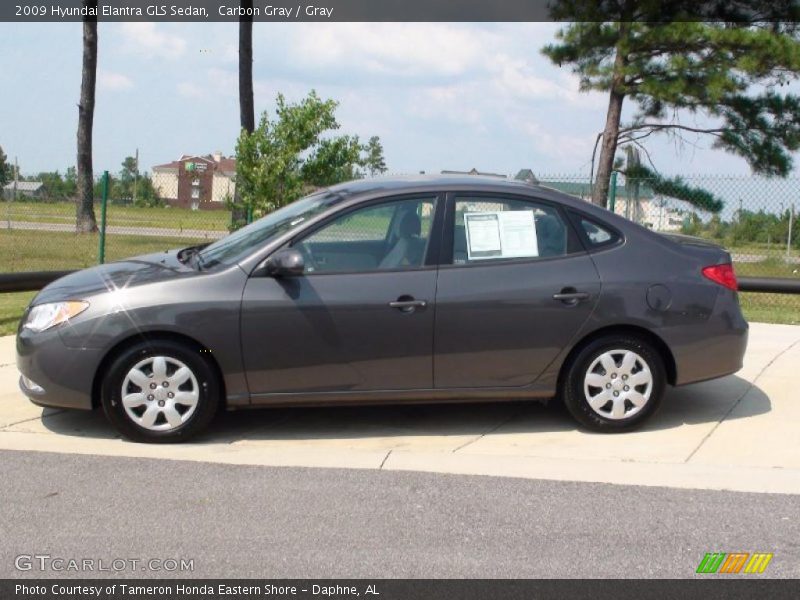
(619, 400)
(160, 392)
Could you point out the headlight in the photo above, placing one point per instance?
(45, 316)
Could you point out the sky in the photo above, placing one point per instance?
(440, 96)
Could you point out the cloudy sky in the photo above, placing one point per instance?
(440, 96)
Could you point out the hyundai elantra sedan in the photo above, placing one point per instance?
(424, 289)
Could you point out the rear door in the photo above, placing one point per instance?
(514, 288)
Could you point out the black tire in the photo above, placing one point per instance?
(574, 394)
(208, 392)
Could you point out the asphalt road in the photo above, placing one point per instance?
(256, 521)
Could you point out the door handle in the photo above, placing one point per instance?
(408, 304)
(571, 296)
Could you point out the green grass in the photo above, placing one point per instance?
(11, 308)
(122, 216)
(771, 267)
(771, 308)
(22, 250)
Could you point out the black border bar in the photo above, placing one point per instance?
(283, 11)
(729, 587)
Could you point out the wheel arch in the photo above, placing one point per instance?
(661, 347)
(152, 336)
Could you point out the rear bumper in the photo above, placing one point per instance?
(64, 376)
(713, 349)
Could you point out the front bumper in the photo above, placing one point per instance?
(65, 375)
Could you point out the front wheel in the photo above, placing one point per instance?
(161, 392)
(614, 383)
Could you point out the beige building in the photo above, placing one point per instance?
(641, 204)
(196, 182)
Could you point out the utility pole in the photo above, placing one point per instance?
(13, 196)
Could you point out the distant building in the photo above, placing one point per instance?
(527, 176)
(196, 182)
(638, 203)
(27, 189)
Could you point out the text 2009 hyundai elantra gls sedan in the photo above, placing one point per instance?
(391, 290)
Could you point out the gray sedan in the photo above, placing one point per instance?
(425, 289)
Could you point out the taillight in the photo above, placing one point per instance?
(723, 275)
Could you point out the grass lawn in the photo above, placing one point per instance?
(22, 250)
(771, 308)
(11, 309)
(123, 216)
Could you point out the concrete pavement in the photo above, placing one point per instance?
(738, 433)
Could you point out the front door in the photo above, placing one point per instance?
(518, 289)
(361, 316)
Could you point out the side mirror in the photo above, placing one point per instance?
(285, 263)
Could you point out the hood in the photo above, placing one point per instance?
(131, 272)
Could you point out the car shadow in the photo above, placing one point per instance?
(707, 402)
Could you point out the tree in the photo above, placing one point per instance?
(6, 170)
(55, 187)
(247, 115)
(726, 70)
(374, 162)
(286, 155)
(85, 219)
(146, 193)
(124, 184)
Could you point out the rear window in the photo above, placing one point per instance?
(597, 235)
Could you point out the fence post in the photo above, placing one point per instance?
(789, 238)
(612, 195)
(249, 214)
(101, 251)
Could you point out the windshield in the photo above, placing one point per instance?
(239, 244)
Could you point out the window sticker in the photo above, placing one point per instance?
(501, 234)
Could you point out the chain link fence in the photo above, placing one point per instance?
(37, 229)
(758, 223)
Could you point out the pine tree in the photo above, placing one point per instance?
(728, 71)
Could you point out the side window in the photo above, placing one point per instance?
(503, 229)
(596, 234)
(392, 235)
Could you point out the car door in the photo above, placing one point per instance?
(517, 289)
(360, 318)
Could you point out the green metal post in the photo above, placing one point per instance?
(249, 213)
(612, 193)
(101, 251)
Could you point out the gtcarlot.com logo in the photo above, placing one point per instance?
(46, 562)
(734, 562)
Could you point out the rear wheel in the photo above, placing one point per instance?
(614, 383)
(161, 392)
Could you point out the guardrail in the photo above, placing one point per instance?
(769, 285)
(28, 281)
(31, 281)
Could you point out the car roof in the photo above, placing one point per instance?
(426, 182)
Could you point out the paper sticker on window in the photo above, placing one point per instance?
(501, 234)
